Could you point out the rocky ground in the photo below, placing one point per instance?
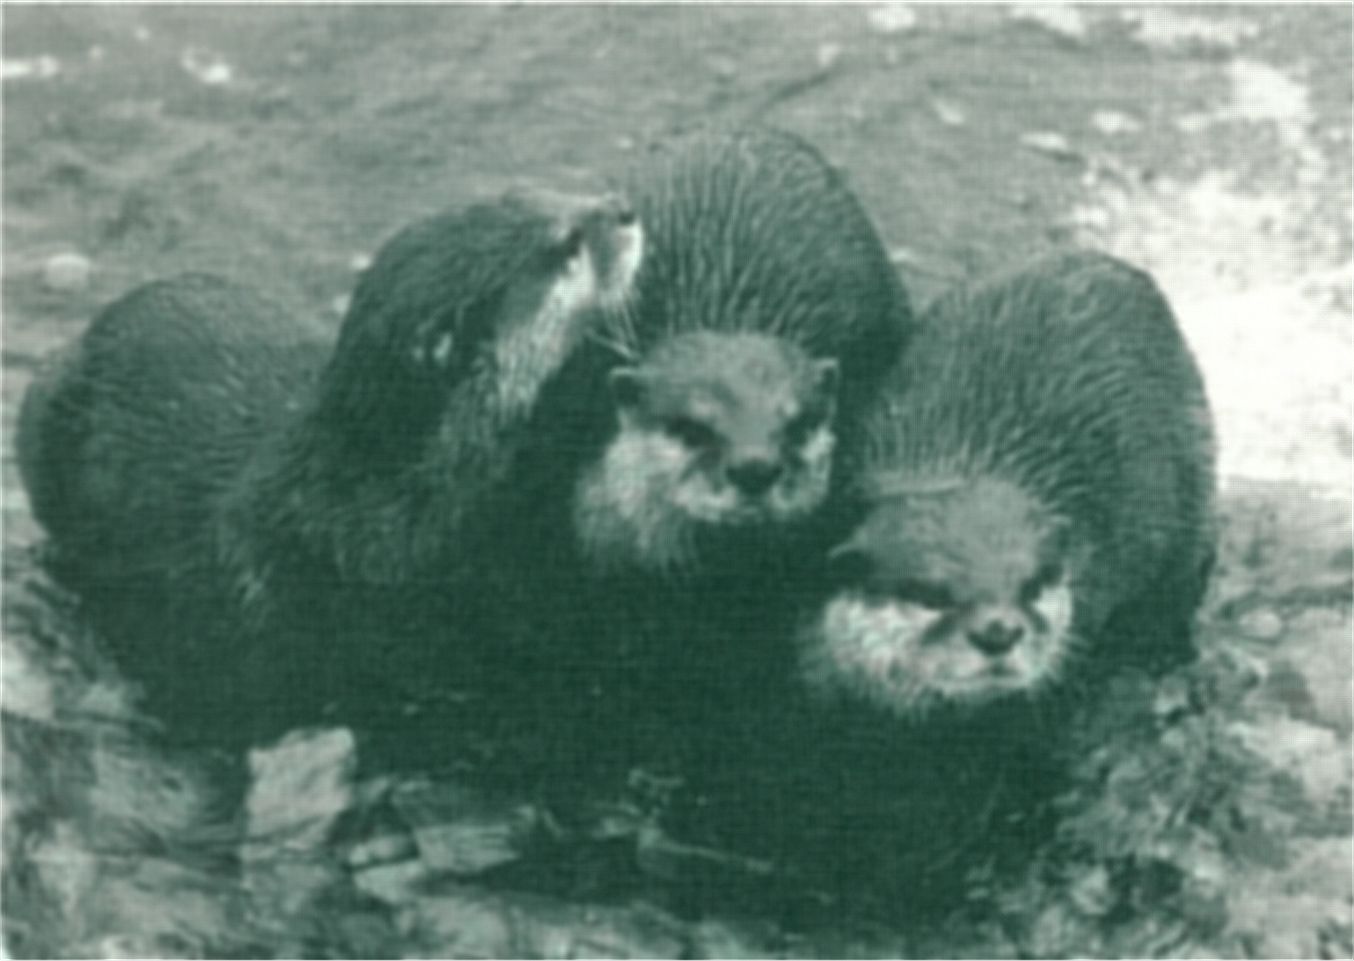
(1209, 816)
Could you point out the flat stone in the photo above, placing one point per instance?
(67, 272)
(1262, 624)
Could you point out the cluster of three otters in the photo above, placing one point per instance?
(674, 483)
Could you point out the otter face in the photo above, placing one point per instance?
(464, 316)
(721, 430)
(594, 253)
(743, 423)
(961, 597)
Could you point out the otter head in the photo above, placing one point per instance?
(956, 593)
(463, 317)
(716, 431)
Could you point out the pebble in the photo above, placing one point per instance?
(67, 273)
(1112, 122)
(37, 67)
(206, 67)
(382, 849)
(949, 113)
(1053, 144)
(1160, 27)
(1060, 18)
(1262, 624)
(892, 17)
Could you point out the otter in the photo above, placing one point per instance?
(1039, 474)
(720, 429)
(232, 493)
(1034, 488)
(765, 311)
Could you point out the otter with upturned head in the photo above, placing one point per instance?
(232, 494)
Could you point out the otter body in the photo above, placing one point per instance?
(764, 312)
(1039, 481)
(1035, 480)
(233, 495)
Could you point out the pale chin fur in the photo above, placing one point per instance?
(616, 291)
(878, 651)
(639, 506)
(622, 509)
(794, 496)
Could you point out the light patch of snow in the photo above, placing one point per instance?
(1162, 27)
(1259, 286)
(892, 17)
(1312, 754)
(25, 688)
(34, 68)
(1061, 18)
(949, 113)
(1112, 122)
(1259, 305)
(207, 68)
(1260, 93)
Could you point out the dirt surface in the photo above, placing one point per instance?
(280, 146)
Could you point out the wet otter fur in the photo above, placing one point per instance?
(235, 497)
(719, 429)
(1039, 473)
(765, 311)
(1036, 478)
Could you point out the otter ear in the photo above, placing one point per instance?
(829, 376)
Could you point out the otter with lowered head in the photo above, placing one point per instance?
(765, 311)
(232, 494)
(1039, 476)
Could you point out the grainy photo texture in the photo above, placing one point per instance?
(680, 481)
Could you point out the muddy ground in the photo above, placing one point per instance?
(280, 146)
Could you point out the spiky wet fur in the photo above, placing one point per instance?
(749, 232)
(1068, 383)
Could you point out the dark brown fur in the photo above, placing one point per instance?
(752, 237)
(1046, 441)
(233, 497)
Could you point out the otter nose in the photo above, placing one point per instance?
(754, 477)
(996, 636)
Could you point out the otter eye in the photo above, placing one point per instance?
(798, 431)
(692, 433)
(569, 247)
(1044, 578)
(936, 597)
